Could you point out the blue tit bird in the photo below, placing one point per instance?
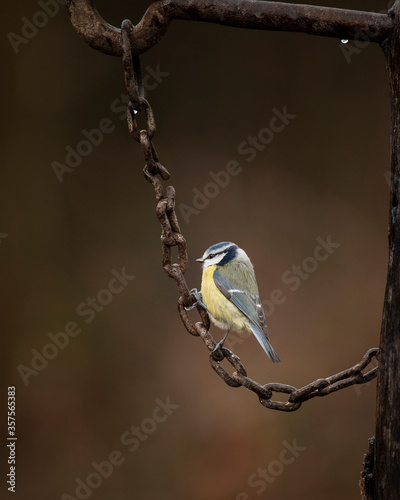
(230, 295)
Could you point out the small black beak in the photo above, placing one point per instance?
(200, 260)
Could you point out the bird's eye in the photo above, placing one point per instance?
(211, 256)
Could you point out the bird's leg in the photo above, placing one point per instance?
(216, 353)
(199, 300)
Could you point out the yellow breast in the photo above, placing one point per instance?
(223, 313)
(210, 293)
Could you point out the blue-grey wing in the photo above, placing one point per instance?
(249, 304)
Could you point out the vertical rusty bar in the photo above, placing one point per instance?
(386, 475)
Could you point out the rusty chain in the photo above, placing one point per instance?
(171, 237)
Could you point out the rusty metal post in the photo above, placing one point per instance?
(386, 473)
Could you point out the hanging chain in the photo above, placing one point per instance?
(171, 236)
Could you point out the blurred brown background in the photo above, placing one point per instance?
(324, 174)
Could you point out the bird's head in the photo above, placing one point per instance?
(222, 253)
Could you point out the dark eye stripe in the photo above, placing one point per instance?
(212, 255)
(225, 250)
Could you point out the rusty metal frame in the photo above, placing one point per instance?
(261, 15)
(381, 478)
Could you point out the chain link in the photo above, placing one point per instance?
(171, 237)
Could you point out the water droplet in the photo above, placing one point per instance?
(344, 41)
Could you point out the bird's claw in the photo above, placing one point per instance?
(217, 353)
(199, 301)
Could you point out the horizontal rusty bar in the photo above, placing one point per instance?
(261, 15)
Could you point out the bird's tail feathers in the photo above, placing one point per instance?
(260, 336)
